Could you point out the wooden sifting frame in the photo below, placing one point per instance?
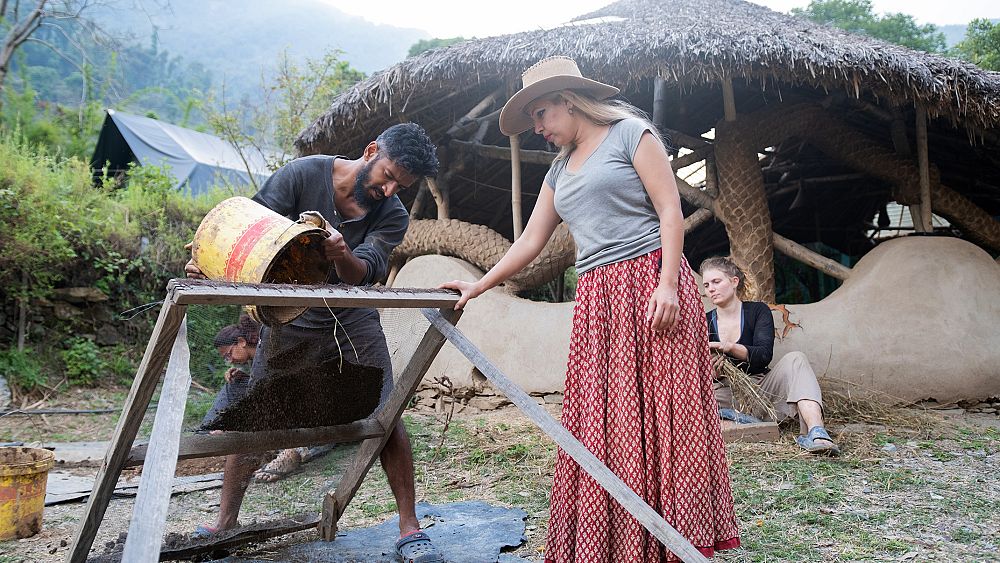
(168, 342)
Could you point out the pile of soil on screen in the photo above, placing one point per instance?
(304, 396)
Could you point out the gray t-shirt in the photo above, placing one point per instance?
(306, 184)
(604, 203)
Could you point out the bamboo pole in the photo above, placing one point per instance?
(728, 99)
(897, 131)
(694, 220)
(418, 201)
(440, 197)
(515, 185)
(462, 125)
(711, 177)
(802, 254)
(925, 175)
(660, 102)
(503, 153)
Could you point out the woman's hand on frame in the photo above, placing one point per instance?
(468, 290)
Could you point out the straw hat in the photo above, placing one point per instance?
(546, 76)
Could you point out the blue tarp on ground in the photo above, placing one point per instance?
(197, 161)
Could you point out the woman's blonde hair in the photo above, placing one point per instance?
(599, 112)
(746, 290)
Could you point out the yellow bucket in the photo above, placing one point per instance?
(240, 240)
(23, 475)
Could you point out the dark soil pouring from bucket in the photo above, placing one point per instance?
(304, 396)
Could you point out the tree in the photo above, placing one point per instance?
(428, 44)
(981, 45)
(292, 99)
(21, 19)
(857, 16)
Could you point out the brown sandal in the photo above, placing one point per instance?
(288, 462)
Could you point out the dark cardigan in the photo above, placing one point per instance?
(757, 335)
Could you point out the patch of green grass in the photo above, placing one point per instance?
(986, 439)
(965, 535)
(197, 407)
(936, 450)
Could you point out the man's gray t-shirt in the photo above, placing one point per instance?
(306, 184)
(604, 203)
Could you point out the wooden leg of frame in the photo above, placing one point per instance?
(336, 501)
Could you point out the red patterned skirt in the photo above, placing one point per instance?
(642, 402)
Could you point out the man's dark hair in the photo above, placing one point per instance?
(408, 145)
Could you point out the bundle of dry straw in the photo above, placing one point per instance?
(747, 396)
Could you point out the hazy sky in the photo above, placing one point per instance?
(448, 18)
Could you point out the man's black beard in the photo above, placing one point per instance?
(361, 195)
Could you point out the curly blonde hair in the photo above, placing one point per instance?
(747, 288)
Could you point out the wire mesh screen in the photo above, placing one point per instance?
(223, 349)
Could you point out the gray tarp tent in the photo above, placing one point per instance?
(197, 161)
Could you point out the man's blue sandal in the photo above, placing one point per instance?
(818, 441)
(416, 547)
(203, 532)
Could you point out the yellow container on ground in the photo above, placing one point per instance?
(23, 475)
(240, 240)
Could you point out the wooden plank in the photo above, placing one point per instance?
(756, 432)
(621, 492)
(515, 185)
(925, 175)
(211, 445)
(242, 536)
(795, 250)
(336, 501)
(149, 514)
(205, 292)
(148, 375)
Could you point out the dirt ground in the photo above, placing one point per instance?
(926, 492)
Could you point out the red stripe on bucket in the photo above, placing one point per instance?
(248, 240)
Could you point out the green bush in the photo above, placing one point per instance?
(120, 364)
(84, 365)
(58, 228)
(21, 369)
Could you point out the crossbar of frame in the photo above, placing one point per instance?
(203, 292)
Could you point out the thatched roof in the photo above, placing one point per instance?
(693, 45)
(689, 42)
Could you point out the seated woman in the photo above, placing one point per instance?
(744, 332)
(237, 344)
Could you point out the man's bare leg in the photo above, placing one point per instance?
(397, 461)
(235, 479)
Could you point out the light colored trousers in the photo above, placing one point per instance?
(791, 380)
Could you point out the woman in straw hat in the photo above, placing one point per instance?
(742, 329)
(639, 378)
